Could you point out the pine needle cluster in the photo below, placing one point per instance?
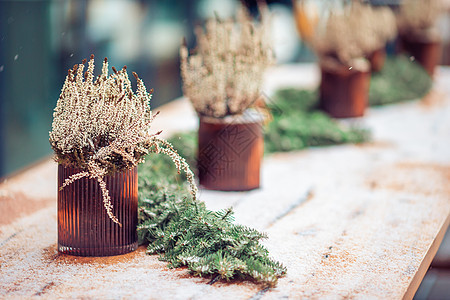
(186, 233)
(417, 19)
(224, 76)
(101, 127)
(352, 34)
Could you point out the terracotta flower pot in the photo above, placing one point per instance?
(426, 52)
(377, 59)
(84, 228)
(230, 152)
(344, 92)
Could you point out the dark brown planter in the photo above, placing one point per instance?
(84, 228)
(230, 152)
(427, 53)
(377, 59)
(344, 92)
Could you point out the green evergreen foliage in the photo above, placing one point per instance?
(186, 233)
(298, 124)
(400, 80)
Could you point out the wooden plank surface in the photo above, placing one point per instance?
(348, 221)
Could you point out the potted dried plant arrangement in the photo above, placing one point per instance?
(100, 132)
(418, 33)
(223, 80)
(343, 44)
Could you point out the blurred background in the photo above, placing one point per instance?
(41, 39)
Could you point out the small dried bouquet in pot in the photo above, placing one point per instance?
(223, 79)
(352, 34)
(224, 76)
(101, 128)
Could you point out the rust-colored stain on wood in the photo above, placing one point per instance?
(413, 177)
(17, 204)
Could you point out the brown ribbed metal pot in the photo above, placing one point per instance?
(230, 151)
(344, 92)
(84, 228)
(427, 53)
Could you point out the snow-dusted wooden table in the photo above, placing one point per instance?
(347, 221)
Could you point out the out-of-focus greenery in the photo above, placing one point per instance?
(298, 124)
(400, 80)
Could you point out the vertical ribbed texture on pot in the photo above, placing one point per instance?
(84, 227)
(230, 152)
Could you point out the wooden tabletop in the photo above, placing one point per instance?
(348, 221)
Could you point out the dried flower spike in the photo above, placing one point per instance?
(351, 34)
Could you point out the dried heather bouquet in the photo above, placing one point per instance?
(352, 34)
(101, 127)
(417, 19)
(224, 76)
(376, 26)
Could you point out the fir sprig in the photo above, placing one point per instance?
(186, 233)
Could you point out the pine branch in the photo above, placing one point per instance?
(186, 233)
